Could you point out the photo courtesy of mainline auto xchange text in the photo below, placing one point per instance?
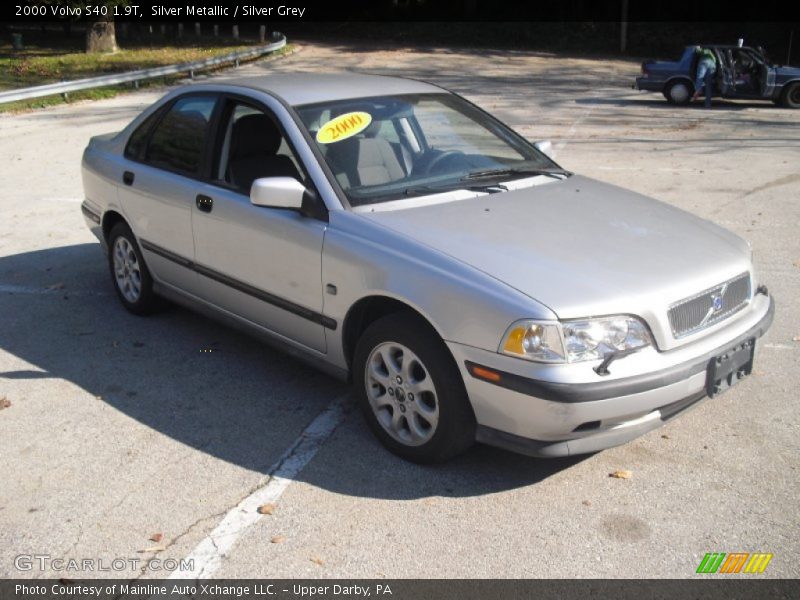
(398, 300)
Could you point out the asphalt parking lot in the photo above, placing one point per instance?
(118, 428)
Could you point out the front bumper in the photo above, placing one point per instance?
(558, 413)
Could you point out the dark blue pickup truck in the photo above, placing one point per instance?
(742, 72)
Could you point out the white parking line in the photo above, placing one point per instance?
(209, 553)
(568, 137)
(781, 346)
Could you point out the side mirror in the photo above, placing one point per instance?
(278, 192)
(545, 147)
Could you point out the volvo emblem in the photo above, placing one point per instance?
(716, 302)
(716, 298)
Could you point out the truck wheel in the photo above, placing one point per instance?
(678, 92)
(411, 391)
(129, 273)
(791, 95)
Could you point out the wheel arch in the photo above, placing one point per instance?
(366, 311)
(783, 90)
(111, 218)
(676, 78)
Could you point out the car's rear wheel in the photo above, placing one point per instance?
(411, 391)
(129, 273)
(791, 95)
(678, 92)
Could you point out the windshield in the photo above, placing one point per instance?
(393, 147)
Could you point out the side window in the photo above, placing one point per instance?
(136, 142)
(253, 146)
(178, 141)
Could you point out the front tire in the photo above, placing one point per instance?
(679, 93)
(129, 273)
(411, 391)
(790, 97)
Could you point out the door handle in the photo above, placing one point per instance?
(127, 178)
(204, 203)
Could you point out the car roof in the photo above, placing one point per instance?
(309, 88)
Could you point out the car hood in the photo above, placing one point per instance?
(579, 246)
(787, 70)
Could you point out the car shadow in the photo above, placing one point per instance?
(210, 387)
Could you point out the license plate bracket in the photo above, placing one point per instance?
(727, 369)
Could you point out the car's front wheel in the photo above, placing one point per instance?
(129, 273)
(791, 95)
(678, 92)
(411, 391)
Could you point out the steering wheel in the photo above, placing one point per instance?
(440, 158)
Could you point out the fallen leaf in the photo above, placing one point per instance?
(664, 436)
(266, 509)
(4, 403)
(55, 286)
(586, 503)
(317, 561)
(621, 474)
(156, 537)
(152, 549)
(278, 539)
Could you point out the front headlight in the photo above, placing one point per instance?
(594, 338)
(574, 341)
(535, 341)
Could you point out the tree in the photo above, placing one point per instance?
(100, 32)
(101, 36)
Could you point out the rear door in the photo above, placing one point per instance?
(159, 185)
(724, 79)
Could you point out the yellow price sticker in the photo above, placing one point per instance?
(343, 127)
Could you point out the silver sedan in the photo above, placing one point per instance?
(396, 235)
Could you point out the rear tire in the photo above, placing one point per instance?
(679, 93)
(129, 273)
(410, 390)
(790, 97)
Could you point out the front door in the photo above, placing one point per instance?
(261, 264)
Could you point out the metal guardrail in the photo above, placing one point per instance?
(134, 76)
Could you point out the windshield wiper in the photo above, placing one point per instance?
(420, 190)
(495, 173)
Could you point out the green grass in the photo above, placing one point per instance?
(64, 61)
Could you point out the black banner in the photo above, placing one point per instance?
(714, 587)
(396, 10)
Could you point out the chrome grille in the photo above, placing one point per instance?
(709, 306)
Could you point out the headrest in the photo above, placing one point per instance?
(254, 134)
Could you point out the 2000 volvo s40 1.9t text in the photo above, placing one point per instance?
(396, 235)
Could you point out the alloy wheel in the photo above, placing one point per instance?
(401, 393)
